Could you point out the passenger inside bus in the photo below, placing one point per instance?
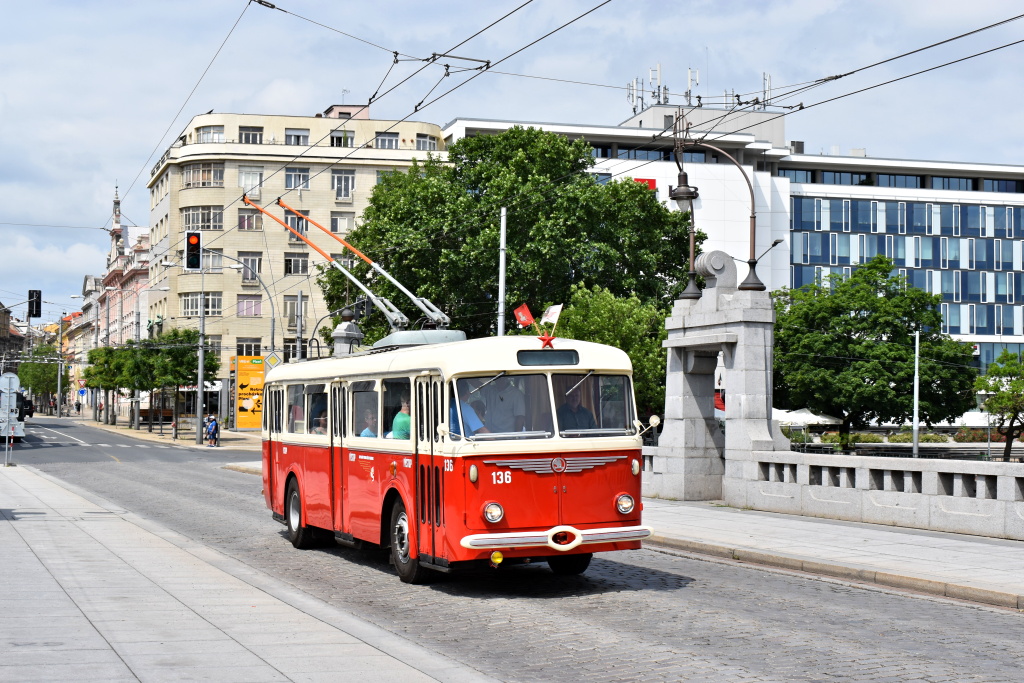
(474, 425)
(320, 423)
(369, 423)
(400, 427)
(506, 406)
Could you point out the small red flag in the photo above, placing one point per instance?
(523, 316)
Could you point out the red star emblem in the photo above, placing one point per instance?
(546, 340)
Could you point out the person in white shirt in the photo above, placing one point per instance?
(506, 406)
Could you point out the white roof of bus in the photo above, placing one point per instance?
(471, 356)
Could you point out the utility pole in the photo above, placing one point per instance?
(200, 385)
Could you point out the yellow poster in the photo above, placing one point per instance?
(249, 378)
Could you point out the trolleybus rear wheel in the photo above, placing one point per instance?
(569, 565)
(300, 535)
(408, 567)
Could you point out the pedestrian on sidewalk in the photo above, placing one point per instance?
(78, 407)
(212, 432)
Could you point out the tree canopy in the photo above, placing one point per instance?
(1003, 383)
(626, 323)
(436, 229)
(845, 347)
(41, 376)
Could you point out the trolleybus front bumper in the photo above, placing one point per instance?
(560, 538)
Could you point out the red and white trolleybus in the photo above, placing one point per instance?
(449, 454)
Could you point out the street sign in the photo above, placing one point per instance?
(272, 360)
(81, 383)
(81, 392)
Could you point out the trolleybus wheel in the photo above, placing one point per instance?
(301, 536)
(408, 567)
(570, 565)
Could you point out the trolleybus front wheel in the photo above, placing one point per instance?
(408, 567)
(570, 565)
(300, 535)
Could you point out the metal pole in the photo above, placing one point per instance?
(917, 384)
(298, 327)
(137, 395)
(501, 277)
(200, 393)
(60, 361)
(106, 343)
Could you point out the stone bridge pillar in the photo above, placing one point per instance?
(693, 455)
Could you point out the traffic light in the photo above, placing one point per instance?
(35, 303)
(193, 250)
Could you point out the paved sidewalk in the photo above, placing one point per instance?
(975, 568)
(93, 593)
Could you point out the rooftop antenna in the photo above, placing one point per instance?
(692, 80)
(658, 91)
(766, 89)
(635, 95)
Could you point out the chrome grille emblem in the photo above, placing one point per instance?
(552, 465)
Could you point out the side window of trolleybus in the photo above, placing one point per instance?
(365, 414)
(295, 408)
(593, 405)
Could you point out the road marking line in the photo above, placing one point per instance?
(115, 458)
(67, 435)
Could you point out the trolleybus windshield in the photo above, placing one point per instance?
(519, 406)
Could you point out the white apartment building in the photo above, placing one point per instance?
(324, 166)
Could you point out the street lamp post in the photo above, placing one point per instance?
(684, 193)
(273, 312)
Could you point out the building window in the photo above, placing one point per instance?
(249, 305)
(601, 178)
(844, 178)
(944, 183)
(426, 143)
(250, 219)
(381, 175)
(210, 134)
(296, 136)
(1003, 185)
(250, 135)
(189, 303)
(342, 222)
(202, 218)
(344, 183)
(290, 348)
(892, 180)
(387, 141)
(202, 175)
(248, 346)
(297, 222)
(250, 179)
(290, 305)
(296, 264)
(296, 178)
(346, 261)
(252, 262)
(213, 260)
(797, 175)
(342, 138)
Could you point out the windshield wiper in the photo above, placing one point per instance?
(577, 383)
(503, 372)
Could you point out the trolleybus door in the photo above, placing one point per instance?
(430, 469)
(273, 406)
(338, 433)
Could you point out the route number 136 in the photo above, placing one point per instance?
(501, 477)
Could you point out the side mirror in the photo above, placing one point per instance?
(442, 431)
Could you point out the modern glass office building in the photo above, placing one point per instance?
(953, 229)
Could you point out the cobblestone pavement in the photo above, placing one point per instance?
(638, 616)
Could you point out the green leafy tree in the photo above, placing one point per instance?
(39, 376)
(136, 364)
(102, 374)
(436, 229)
(637, 328)
(177, 361)
(1004, 384)
(845, 347)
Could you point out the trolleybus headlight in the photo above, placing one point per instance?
(624, 503)
(493, 513)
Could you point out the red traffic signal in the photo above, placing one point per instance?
(193, 250)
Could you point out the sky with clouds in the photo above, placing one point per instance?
(90, 90)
